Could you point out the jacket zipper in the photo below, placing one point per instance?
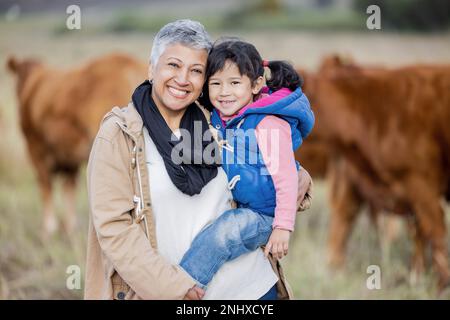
(139, 201)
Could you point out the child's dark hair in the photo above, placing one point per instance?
(249, 62)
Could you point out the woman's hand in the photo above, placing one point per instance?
(278, 243)
(304, 195)
(194, 293)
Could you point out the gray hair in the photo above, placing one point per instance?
(186, 32)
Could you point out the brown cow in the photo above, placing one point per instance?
(315, 155)
(389, 139)
(60, 112)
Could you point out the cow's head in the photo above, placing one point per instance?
(331, 68)
(337, 63)
(323, 89)
(21, 68)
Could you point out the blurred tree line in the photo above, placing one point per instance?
(418, 15)
(320, 15)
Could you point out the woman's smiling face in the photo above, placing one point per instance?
(229, 91)
(178, 77)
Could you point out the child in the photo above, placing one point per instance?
(261, 132)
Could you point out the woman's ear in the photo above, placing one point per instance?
(258, 84)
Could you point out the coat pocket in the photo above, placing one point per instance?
(121, 290)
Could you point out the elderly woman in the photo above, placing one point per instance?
(146, 208)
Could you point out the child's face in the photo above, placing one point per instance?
(229, 91)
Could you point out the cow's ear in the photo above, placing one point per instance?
(12, 64)
(338, 60)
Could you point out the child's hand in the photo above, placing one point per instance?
(278, 243)
(194, 293)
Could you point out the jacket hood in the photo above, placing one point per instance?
(294, 108)
(128, 117)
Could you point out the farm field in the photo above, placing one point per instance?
(31, 268)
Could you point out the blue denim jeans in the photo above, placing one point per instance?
(234, 233)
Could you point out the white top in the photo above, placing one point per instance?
(178, 219)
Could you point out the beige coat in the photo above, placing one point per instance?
(122, 258)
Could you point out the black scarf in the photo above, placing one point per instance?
(189, 176)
